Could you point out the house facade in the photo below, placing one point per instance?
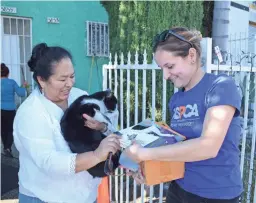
(80, 27)
(242, 25)
(234, 26)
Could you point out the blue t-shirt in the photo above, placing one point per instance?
(219, 177)
(8, 89)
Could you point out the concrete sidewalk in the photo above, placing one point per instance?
(10, 201)
(9, 177)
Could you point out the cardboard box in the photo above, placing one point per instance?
(155, 172)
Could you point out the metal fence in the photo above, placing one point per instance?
(143, 93)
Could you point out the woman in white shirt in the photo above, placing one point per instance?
(49, 171)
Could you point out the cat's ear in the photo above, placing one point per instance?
(108, 93)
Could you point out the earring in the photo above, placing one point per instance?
(42, 91)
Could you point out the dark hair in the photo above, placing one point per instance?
(178, 40)
(4, 70)
(44, 58)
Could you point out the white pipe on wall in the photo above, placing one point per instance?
(220, 26)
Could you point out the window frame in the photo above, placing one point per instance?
(97, 49)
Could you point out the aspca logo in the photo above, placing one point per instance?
(187, 111)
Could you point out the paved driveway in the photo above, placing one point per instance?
(9, 178)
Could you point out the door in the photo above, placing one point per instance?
(16, 47)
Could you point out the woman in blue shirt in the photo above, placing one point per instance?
(206, 110)
(8, 108)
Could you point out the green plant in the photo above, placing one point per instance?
(132, 26)
(28, 87)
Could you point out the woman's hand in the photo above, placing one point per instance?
(109, 144)
(25, 84)
(134, 152)
(93, 124)
(137, 176)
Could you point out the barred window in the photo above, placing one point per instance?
(97, 39)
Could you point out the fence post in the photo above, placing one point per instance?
(105, 72)
(206, 45)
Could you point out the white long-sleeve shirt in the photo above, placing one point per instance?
(47, 166)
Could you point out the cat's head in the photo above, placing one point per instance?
(110, 101)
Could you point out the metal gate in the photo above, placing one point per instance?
(16, 47)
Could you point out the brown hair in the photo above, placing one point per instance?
(177, 46)
(4, 70)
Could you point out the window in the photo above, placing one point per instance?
(97, 39)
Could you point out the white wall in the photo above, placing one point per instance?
(238, 30)
(239, 19)
(244, 3)
(252, 15)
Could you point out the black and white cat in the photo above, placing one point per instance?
(83, 139)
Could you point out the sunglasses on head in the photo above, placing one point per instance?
(162, 37)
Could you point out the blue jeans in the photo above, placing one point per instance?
(176, 194)
(28, 199)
